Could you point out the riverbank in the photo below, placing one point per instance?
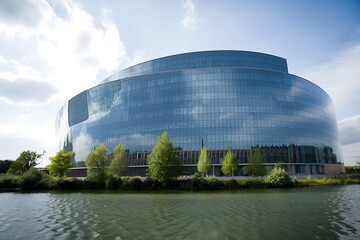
(46, 182)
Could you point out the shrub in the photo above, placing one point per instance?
(9, 181)
(213, 183)
(206, 183)
(131, 183)
(252, 183)
(135, 183)
(113, 183)
(279, 178)
(71, 183)
(35, 179)
(231, 184)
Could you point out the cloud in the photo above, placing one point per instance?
(27, 13)
(50, 51)
(350, 130)
(351, 154)
(190, 19)
(25, 92)
(71, 51)
(340, 78)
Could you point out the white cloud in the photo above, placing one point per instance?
(26, 92)
(56, 52)
(350, 130)
(190, 19)
(69, 52)
(340, 78)
(351, 154)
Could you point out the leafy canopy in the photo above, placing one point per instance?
(119, 164)
(60, 163)
(164, 165)
(97, 163)
(230, 163)
(5, 165)
(204, 162)
(24, 162)
(256, 166)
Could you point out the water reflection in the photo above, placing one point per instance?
(311, 213)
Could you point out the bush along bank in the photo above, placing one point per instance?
(36, 180)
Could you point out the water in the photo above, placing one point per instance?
(308, 213)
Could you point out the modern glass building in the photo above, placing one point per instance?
(216, 99)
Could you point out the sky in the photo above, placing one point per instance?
(52, 50)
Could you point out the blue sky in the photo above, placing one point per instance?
(52, 50)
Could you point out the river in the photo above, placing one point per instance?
(298, 213)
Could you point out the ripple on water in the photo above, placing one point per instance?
(324, 213)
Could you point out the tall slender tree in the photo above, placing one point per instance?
(164, 165)
(230, 163)
(256, 165)
(204, 164)
(119, 164)
(97, 164)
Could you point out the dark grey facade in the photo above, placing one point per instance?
(222, 99)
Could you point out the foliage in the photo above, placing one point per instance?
(35, 179)
(71, 184)
(279, 177)
(256, 166)
(231, 184)
(5, 165)
(131, 183)
(204, 164)
(9, 181)
(164, 165)
(230, 163)
(253, 183)
(24, 162)
(97, 163)
(207, 183)
(151, 184)
(352, 169)
(113, 182)
(60, 164)
(119, 164)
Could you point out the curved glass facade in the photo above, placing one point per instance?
(221, 99)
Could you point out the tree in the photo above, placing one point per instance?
(230, 163)
(5, 165)
(24, 162)
(256, 166)
(119, 164)
(97, 163)
(60, 163)
(164, 165)
(204, 164)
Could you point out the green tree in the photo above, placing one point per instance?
(24, 162)
(204, 164)
(164, 165)
(119, 164)
(230, 163)
(5, 165)
(60, 163)
(256, 165)
(97, 163)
